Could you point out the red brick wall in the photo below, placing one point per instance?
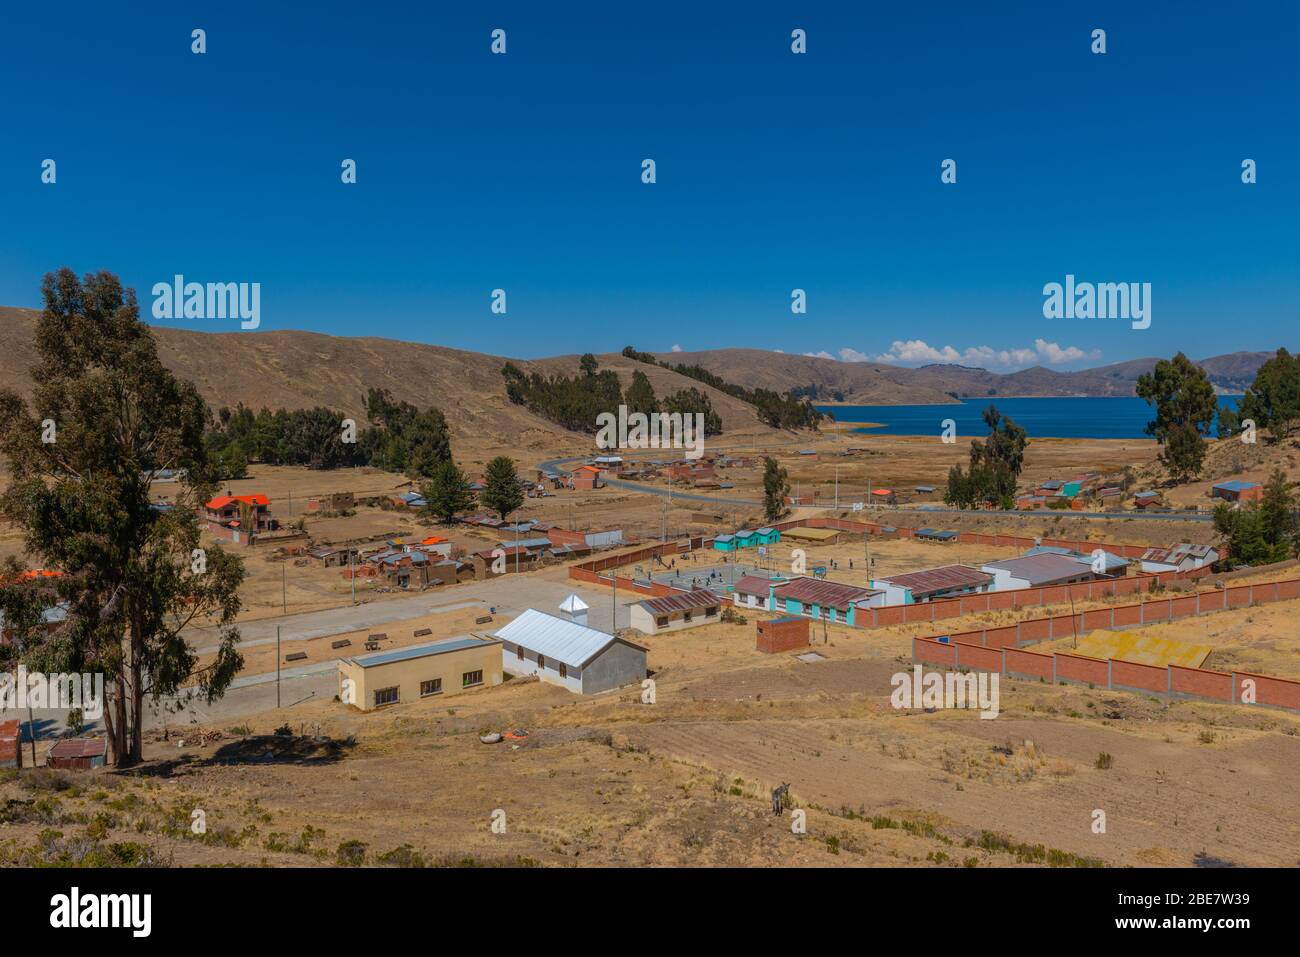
(931, 651)
(1079, 668)
(1182, 607)
(1131, 674)
(1201, 682)
(1273, 691)
(1029, 663)
(983, 659)
(888, 616)
(1001, 637)
(1124, 615)
(1035, 629)
(1096, 618)
(1239, 596)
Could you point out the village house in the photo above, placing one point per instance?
(751, 591)
(947, 582)
(431, 670)
(563, 652)
(586, 478)
(831, 601)
(651, 616)
(1183, 557)
(1045, 565)
(249, 513)
(1236, 491)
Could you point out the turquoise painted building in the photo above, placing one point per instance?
(725, 543)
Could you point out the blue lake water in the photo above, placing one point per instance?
(1123, 417)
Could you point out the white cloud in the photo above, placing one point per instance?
(920, 352)
(676, 348)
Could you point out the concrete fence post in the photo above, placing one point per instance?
(1004, 661)
(1109, 666)
(1053, 669)
(1169, 679)
(1234, 687)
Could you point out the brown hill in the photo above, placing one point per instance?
(294, 369)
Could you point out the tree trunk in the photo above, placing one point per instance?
(136, 743)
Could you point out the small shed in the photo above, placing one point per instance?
(77, 754)
(782, 634)
(573, 656)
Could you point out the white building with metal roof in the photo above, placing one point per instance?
(563, 652)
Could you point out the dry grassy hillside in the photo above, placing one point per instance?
(297, 369)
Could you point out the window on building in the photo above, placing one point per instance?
(385, 696)
(710, 612)
(471, 678)
(519, 652)
(432, 686)
(662, 621)
(563, 672)
(686, 617)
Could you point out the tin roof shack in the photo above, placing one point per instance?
(652, 616)
(77, 754)
(435, 669)
(573, 656)
(782, 634)
(1236, 491)
(11, 752)
(754, 591)
(946, 582)
(1183, 557)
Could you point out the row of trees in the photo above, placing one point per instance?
(399, 438)
(789, 411)
(575, 402)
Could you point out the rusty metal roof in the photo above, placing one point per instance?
(829, 594)
(686, 601)
(947, 578)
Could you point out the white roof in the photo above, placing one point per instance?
(559, 639)
(573, 603)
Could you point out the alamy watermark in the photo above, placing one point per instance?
(1103, 300)
(654, 430)
(975, 690)
(62, 692)
(213, 300)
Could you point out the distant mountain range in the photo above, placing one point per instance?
(873, 383)
(297, 369)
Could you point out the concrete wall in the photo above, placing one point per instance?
(618, 665)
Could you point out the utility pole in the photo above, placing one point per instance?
(352, 573)
(837, 486)
(284, 588)
(277, 666)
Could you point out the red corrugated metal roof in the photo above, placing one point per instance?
(829, 594)
(941, 579)
(753, 585)
(79, 748)
(700, 598)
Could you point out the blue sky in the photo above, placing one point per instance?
(775, 171)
